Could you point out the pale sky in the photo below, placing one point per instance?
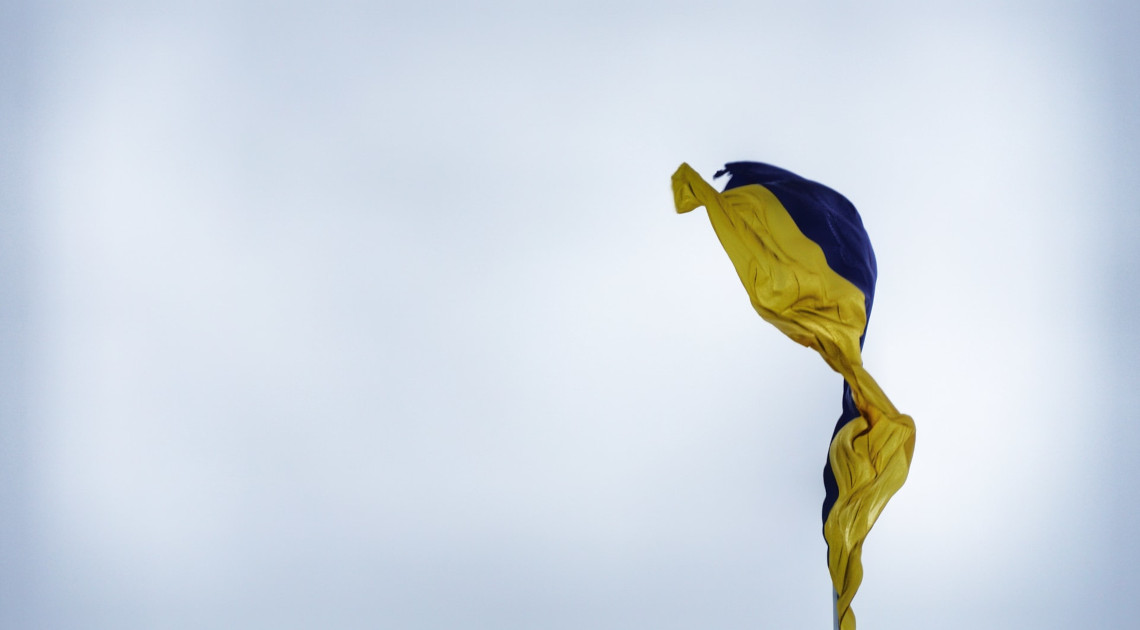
(366, 315)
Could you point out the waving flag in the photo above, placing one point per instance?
(802, 253)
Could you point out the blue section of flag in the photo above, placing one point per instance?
(823, 215)
(830, 487)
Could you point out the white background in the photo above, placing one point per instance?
(368, 315)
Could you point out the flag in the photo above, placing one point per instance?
(805, 259)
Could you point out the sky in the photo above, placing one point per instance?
(378, 315)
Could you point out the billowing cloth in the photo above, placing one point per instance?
(804, 257)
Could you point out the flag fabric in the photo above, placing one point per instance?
(805, 259)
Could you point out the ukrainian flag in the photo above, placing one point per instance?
(805, 259)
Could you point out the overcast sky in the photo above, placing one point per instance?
(374, 315)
